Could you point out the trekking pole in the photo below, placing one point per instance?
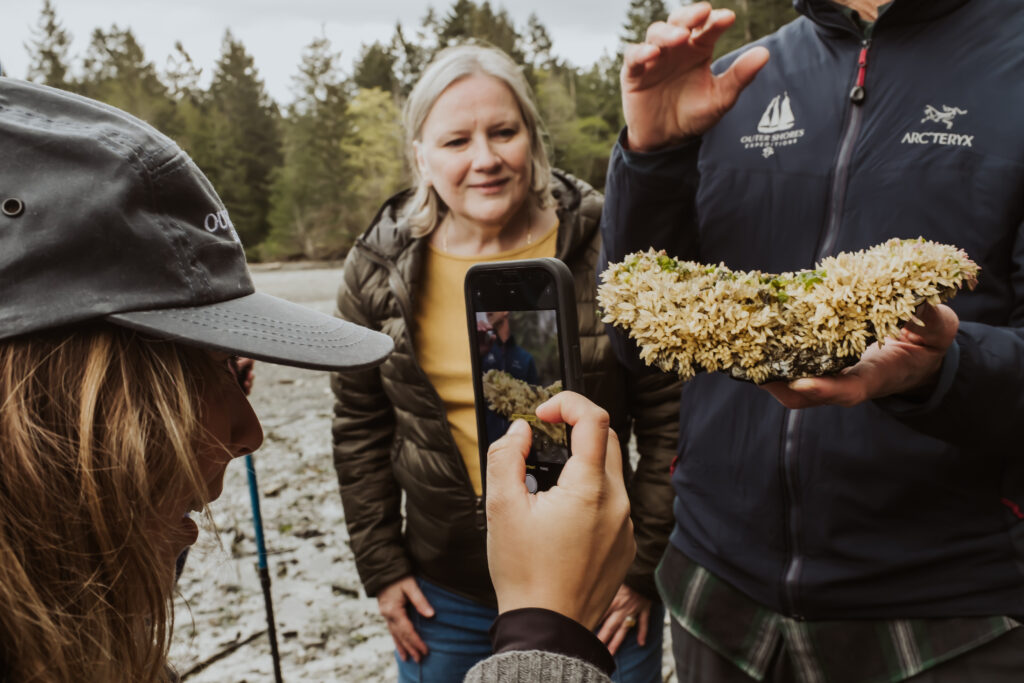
(261, 564)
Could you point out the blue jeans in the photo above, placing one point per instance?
(457, 638)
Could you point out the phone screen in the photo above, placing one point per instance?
(520, 368)
(519, 362)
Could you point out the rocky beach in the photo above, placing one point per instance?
(327, 629)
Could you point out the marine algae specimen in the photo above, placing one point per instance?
(513, 398)
(760, 327)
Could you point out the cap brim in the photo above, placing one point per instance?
(266, 328)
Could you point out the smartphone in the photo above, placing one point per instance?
(524, 342)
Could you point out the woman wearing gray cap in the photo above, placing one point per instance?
(123, 295)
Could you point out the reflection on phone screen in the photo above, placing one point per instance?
(521, 368)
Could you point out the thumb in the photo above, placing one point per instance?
(506, 460)
(938, 326)
(589, 441)
(740, 74)
(418, 599)
(844, 389)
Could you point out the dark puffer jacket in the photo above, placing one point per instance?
(391, 432)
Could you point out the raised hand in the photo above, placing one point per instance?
(901, 365)
(668, 91)
(566, 549)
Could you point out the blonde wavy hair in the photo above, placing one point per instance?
(425, 209)
(98, 431)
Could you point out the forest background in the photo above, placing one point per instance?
(303, 179)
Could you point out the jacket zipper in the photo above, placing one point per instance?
(791, 577)
(840, 174)
(397, 285)
(837, 197)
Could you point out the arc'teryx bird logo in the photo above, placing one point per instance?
(946, 116)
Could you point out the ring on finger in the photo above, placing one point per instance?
(629, 622)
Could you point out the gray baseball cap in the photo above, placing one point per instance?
(104, 218)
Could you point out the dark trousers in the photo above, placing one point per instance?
(998, 661)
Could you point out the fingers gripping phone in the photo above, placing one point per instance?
(525, 348)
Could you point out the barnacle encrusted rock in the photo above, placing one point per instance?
(513, 398)
(762, 327)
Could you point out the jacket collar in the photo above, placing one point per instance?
(828, 15)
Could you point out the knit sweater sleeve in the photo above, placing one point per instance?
(536, 645)
(534, 666)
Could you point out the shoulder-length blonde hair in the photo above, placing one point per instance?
(98, 429)
(425, 209)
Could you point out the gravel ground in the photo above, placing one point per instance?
(327, 629)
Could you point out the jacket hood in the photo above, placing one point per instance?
(829, 15)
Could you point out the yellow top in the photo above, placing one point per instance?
(442, 338)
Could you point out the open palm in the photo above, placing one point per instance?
(668, 90)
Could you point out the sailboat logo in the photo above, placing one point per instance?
(777, 117)
(776, 129)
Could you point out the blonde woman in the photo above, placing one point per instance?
(484, 191)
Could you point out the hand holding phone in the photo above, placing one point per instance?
(586, 518)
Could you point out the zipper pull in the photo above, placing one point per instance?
(481, 514)
(857, 94)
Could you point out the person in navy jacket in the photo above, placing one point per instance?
(869, 525)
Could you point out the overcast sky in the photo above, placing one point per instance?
(275, 31)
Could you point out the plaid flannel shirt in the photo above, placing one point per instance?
(856, 651)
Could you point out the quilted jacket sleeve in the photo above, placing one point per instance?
(648, 198)
(654, 404)
(978, 400)
(650, 201)
(363, 432)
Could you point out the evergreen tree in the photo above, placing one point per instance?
(640, 15)
(598, 92)
(538, 44)
(375, 68)
(116, 71)
(197, 134)
(411, 57)
(754, 19)
(182, 75)
(374, 157)
(468, 21)
(580, 145)
(245, 143)
(310, 190)
(48, 53)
